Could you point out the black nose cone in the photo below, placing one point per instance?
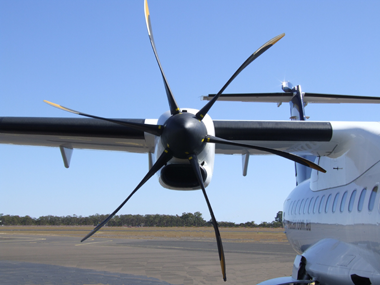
(184, 134)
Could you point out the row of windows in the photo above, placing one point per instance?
(316, 205)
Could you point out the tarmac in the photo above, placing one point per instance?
(45, 259)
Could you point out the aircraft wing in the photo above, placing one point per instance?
(292, 136)
(84, 133)
(81, 133)
(286, 97)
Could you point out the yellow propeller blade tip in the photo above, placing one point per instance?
(275, 39)
(146, 12)
(61, 107)
(52, 104)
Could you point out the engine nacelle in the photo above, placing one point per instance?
(178, 173)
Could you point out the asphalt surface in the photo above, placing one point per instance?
(64, 260)
(15, 272)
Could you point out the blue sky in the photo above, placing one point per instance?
(95, 56)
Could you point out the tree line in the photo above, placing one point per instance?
(185, 220)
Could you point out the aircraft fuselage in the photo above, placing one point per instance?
(337, 229)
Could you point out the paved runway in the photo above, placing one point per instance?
(64, 260)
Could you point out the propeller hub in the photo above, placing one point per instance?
(184, 135)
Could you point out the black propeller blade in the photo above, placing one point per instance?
(174, 109)
(295, 158)
(151, 129)
(161, 161)
(194, 163)
(200, 115)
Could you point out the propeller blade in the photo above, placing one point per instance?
(151, 129)
(161, 161)
(287, 155)
(172, 103)
(194, 163)
(253, 56)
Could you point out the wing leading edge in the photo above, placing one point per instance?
(75, 132)
(308, 97)
(83, 133)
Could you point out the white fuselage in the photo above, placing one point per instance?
(310, 216)
(333, 219)
(337, 228)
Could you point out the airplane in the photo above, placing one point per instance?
(188, 164)
(331, 219)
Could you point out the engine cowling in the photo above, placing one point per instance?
(177, 174)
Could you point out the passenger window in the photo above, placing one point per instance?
(315, 205)
(343, 202)
(310, 205)
(335, 202)
(304, 206)
(352, 201)
(321, 204)
(372, 198)
(299, 209)
(295, 208)
(328, 203)
(361, 199)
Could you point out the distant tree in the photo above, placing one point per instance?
(250, 224)
(227, 224)
(278, 217)
(264, 225)
(186, 219)
(26, 221)
(198, 220)
(275, 224)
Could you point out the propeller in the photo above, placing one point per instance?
(287, 155)
(185, 136)
(152, 129)
(161, 161)
(172, 103)
(200, 115)
(195, 165)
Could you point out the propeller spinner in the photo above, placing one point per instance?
(185, 136)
